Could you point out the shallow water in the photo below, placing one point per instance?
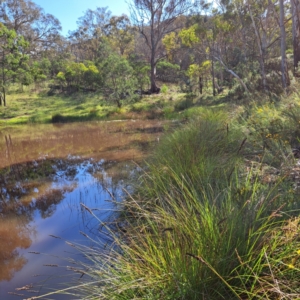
(49, 175)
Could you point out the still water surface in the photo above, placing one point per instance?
(47, 175)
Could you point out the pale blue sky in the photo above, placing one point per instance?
(68, 11)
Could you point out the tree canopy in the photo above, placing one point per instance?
(246, 45)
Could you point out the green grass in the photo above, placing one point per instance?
(201, 224)
(37, 107)
(26, 108)
(215, 214)
(32, 107)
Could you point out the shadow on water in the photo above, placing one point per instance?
(48, 177)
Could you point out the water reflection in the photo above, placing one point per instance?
(35, 227)
(101, 140)
(14, 234)
(46, 181)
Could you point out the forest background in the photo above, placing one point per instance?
(241, 47)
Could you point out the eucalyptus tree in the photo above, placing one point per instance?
(94, 22)
(82, 45)
(92, 28)
(268, 21)
(295, 12)
(13, 61)
(29, 20)
(57, 56)
(284, 67)
(120, 34)
(119, 81)
(19, 14)
(213, 43)
(154, 19)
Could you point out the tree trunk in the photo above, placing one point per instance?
(2, 99)
(233, 74)
(4, 96)
(200, 85)
(261, 51)
(284, 69)
(213, 76)
(221, 78)
(153, 87)
(295, 7)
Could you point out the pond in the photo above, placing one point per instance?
(51, 178)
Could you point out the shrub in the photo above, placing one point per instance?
(164, 89)
(58, 118)
(119, 81)
(186, 103)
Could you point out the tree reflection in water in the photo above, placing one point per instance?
(16, 212)
(14, 233)
(42, 166)
(22, 202)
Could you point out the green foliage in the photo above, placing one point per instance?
(167, 71)
(104, 50)
(61, 76)
(194, 71)
(120, 35)
(25, 78)
(164, 89)
(189, 36)
(165, 65)
(91, 76)
(197, 73)
(40, 70)
(269, 131)
(79, 75)
(74, 73)
(141, 72)
(171, 44)
(13, 62)
(119, 81)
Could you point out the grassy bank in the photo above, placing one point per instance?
(214, 216)
(39, 106)
(32, 106)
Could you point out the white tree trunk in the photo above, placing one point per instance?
(295, 11)
(284, 69)
(232, 73)
(261, 51)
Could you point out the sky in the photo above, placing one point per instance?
(68, 11)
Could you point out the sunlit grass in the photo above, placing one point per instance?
(198, 227)
(33, 107)
(214, 215)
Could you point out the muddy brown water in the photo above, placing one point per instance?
(48, 174)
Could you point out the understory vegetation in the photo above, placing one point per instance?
(32, 106)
